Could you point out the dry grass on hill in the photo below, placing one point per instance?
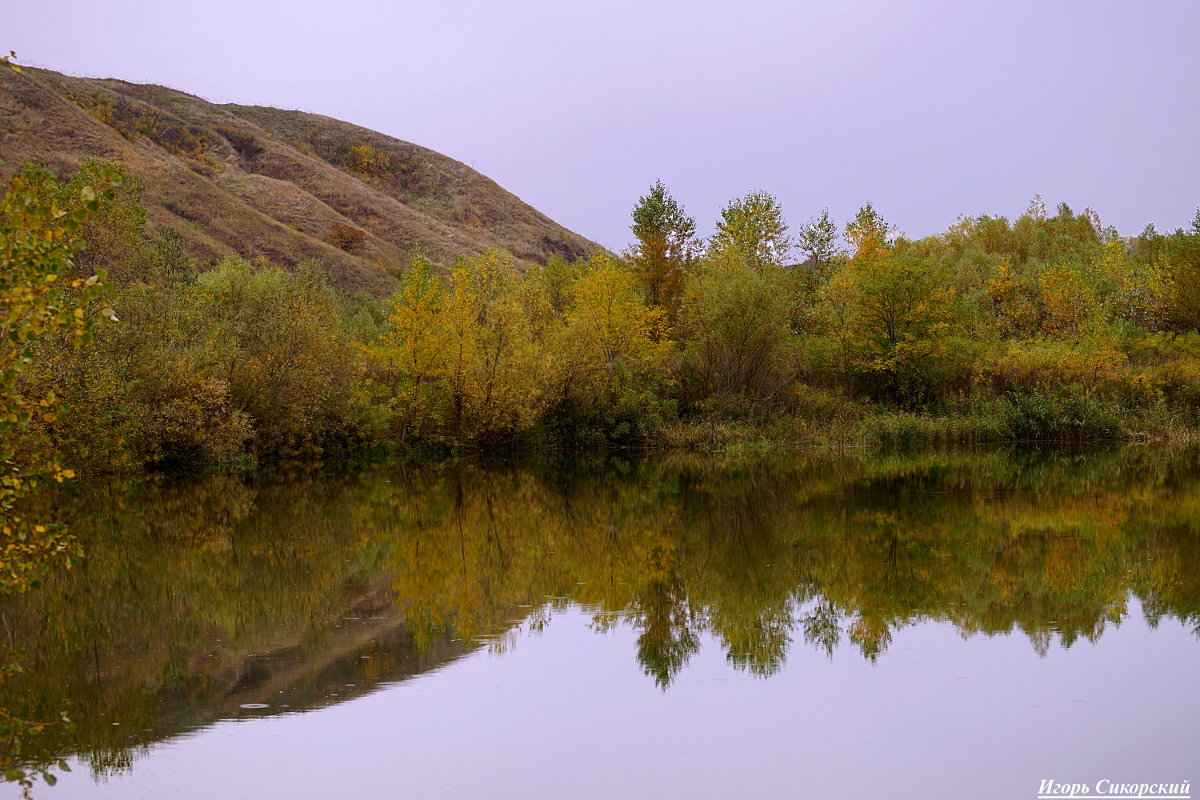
(282, 185)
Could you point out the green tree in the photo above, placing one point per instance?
(736, 333)
(1183, 257)
(867, 224)
(275, 338)
(893, 319)
(818, 241)
(665, 248)
(752, 229)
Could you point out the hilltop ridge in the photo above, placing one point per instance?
(277, 184)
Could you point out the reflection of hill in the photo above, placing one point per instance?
(199, 599)
(368, 647)
(124, 699)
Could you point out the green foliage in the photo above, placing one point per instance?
(41, 224)
(735, 330)
(1060, 415)
(896, 324)
(1182, 263)
(818, 241)
(752, 230)
(275, 340)
(609, 355)
(906, 430)
(868, 225)
(252, 361)
(665, 248)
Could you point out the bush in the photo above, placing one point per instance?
(903, 430)
(1061, 415)
(366, 160)
(346, 238)
(244, 142)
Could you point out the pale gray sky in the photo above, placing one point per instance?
(929, 109)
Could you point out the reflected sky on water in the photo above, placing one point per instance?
(792, 625)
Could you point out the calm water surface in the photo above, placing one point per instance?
(852, 625)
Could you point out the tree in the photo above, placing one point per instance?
(411, 352)
(751, 228)
(276, 341)
(818, 240)
(493, 369)
(1068, 298)
(892, 319)
(735, 327)
(611, 349)
(867, 224)
(665, 247)
(1037, 208)
(1183, 255)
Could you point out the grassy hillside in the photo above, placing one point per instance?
(282, 185)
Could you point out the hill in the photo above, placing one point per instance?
(264, 182)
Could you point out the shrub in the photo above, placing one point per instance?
(344, 237)
(904, 430)
(365, 159)
(1060, 415)
(244, 142)
(735, 318)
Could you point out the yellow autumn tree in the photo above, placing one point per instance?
(1137, 293)
(894, 320)
(611, 347)
(494, 369)
(409, 357)
(1068, 298)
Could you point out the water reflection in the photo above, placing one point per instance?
(224, 597)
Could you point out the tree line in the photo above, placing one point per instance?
(1049, 326)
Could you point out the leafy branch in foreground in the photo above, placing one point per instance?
(39, 235)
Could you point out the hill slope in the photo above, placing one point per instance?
(283, 185)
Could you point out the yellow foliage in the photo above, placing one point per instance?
(609, 328)
(1093, 363)
(1138, 294)
(892, 321)
(465, 356)
(367, 160)
(1014, 302)
(1068, 298)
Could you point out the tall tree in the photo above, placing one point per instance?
(1183, 256)
(892, 319)
(1037, 208)
(752, 228)
(818, 240)
(868, 226)
(665, 247)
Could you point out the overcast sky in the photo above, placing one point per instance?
(927, 109)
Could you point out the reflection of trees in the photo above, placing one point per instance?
(184, 584)
(668, 630)
(822, 627)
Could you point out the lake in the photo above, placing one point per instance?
(967, 623)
